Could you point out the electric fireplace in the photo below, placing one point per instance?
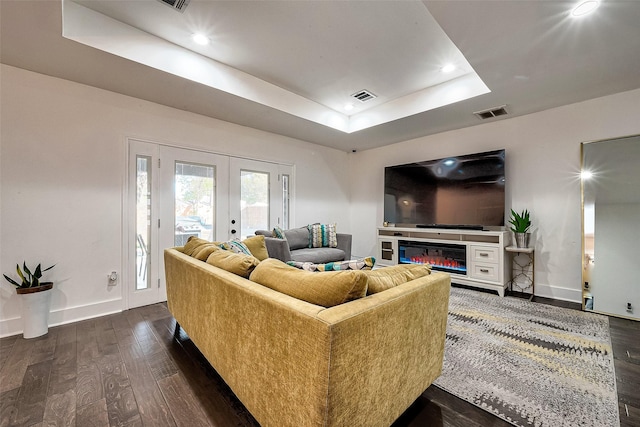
(450, 258)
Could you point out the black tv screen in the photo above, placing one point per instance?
(466, 191)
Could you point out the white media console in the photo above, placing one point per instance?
(472, 257)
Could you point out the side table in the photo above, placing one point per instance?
(522, 269)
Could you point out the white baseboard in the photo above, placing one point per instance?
(559, 293)
(13, 326)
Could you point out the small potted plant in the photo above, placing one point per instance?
(520, 226)
(35, 297)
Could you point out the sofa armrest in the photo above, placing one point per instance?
(344, 243)
(386, 348)
(278, 248)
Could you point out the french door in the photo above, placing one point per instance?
(259, 197)
(176, 193)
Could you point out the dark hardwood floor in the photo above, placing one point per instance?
(129, 369)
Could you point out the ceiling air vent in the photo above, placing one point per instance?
(179, 5)
(363, 95)
(491, 112)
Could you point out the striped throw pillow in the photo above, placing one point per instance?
(322, 235)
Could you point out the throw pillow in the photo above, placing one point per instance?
(257, 247)
(326, 289)
(298, 238)
(235, 246)
(356, 264)
(239, 264)
(385, 278)
(322, 235)
(278, 233)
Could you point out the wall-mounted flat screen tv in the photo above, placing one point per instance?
(454, 192)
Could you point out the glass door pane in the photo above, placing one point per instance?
(194, 204)
(143, 221)
(254, 202)
(286, 197)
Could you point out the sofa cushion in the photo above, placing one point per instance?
(318, 255)
(298, 238)
(354, 264)
(257, 247)
(322, 235)
(385, 278)
(193, 244)
(239, 264)
(202, 252)
(326, 289)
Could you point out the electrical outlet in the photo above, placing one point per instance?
(113, 278)
(629, 308)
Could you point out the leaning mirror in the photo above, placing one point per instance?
(611, 226)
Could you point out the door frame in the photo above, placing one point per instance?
(222, 216)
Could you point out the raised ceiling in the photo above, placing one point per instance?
(289, 67)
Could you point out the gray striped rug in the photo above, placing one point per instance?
(530, 364)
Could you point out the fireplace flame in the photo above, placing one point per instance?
(437, 261)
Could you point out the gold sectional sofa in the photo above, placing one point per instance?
(293, 363)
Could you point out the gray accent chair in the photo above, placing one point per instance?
(296, 247)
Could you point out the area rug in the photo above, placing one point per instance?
(528, 363)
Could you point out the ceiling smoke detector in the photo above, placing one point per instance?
(363, 95)
(491, 112)
(179, 5)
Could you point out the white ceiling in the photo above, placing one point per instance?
(288, 67)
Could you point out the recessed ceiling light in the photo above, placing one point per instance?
(200, 39)
(585, 7)
(585, 174)
(348, 107)
(448, 68)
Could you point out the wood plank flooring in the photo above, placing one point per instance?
(130, 369)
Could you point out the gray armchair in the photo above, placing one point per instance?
(296, 247)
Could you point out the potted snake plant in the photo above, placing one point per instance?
(520, 223)
(35, 297)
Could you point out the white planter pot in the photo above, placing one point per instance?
(35, 311)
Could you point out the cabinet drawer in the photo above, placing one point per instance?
(485, 272)
(484, 254)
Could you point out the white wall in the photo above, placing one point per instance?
(543, 161)
(62, 178)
